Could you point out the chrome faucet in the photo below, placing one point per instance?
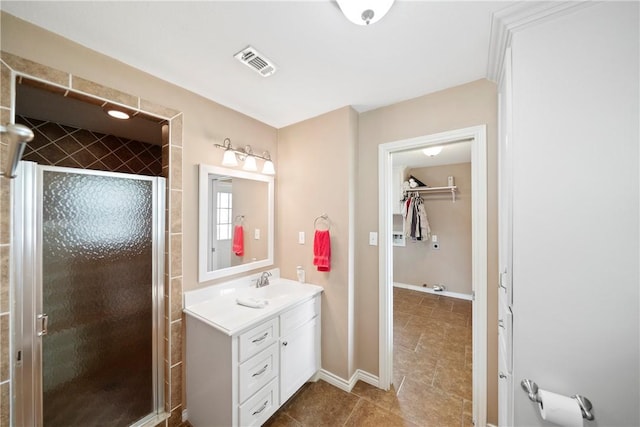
(263, 280)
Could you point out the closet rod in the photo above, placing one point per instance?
(452, 189)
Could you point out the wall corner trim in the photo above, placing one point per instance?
(507, 21)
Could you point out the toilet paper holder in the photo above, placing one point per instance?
(532, 390)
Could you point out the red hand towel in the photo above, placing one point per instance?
(238, 240)
(322, 250)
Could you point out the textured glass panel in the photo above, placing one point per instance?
(97, 292)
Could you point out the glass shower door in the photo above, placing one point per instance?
(98, 306)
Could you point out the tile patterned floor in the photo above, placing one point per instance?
(432, 369)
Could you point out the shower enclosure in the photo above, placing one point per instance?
(89, 257)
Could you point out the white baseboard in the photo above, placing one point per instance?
(431, 291)
(347, 385)
(185, 416)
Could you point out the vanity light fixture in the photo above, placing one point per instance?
(250, 162)
(229, 158)
(365, 12)
(246, 155)
(268, 168)
(432, 151)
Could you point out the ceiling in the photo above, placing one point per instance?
(324, 61)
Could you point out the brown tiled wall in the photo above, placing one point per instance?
(171, 169)
(59, 145)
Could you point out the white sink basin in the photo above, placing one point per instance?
(278, 288)
(223, 312)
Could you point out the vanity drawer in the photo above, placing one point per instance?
(258, 409)
(299, 315)
(258, 338)
(258, 371)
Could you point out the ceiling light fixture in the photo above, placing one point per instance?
(118, 114)
(246, 155)
(364, 12)
(432, 151)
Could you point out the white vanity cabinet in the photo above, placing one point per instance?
(299, 347)
(240, 378)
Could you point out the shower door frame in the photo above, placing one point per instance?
(27, 287)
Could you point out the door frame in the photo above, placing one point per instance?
(478, 258)
(26, 279)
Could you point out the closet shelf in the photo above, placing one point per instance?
(452, 189)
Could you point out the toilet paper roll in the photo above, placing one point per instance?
(559, 409)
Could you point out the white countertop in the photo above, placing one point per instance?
(222, 312)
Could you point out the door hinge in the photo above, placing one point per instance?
(473, 295)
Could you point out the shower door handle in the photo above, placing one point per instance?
(44, 320)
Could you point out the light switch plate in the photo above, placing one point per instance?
(256, 234)
(301, 237)
(373, 238)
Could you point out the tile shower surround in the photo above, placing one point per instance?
(59, 145)
(12, 66)
(432, 374)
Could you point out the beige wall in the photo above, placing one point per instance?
(417, 263)
(316, 168)
(250, 199)
(462, 106)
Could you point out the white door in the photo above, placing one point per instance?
(575, 211)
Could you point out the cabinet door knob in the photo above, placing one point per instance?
(284, 343)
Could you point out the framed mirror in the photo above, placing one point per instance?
(235, 230)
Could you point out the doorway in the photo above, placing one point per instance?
(477, 135)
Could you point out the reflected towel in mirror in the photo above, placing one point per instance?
(238, 240)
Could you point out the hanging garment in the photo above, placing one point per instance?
(425, 229)
(416, 223)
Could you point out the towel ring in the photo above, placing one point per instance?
(323, 217)
(238, 219)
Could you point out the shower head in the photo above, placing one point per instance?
(21, 132)
(19, 136)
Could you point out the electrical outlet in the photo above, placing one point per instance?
(301, 237)
(256, 234)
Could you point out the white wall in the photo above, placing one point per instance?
(575, 207)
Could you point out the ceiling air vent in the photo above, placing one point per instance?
(256, 61)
